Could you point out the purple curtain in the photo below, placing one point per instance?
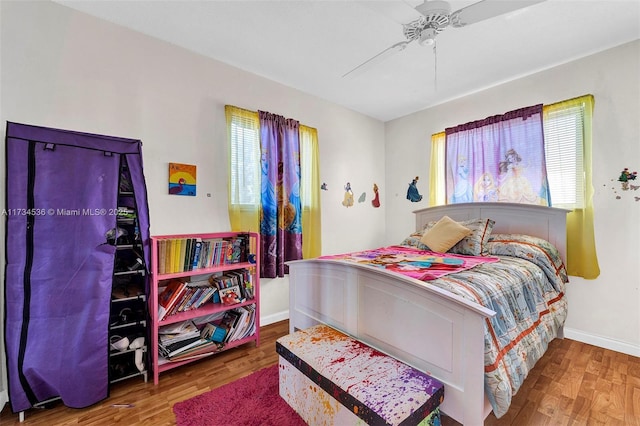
(62, 189)
(281, 210)
(500, 159)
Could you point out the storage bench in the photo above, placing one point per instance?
(330, 378)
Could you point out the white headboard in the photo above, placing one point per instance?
(549, 223)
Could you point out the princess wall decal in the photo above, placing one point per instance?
(376, 197)
(412, 193)
(348, 195)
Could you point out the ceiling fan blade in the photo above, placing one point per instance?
(398, 11)
(486, 9)
(377, 59)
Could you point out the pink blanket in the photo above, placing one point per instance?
(419, 264)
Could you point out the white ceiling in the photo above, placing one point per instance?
(309, 45)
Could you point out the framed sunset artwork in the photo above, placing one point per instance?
(182, 179)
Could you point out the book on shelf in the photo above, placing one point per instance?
(180, 259)
(162, 253)
(182, 327)
(205, 349)
(219, 246)
(187, 254)
(244, 279)
(184, 357)
(210, 337)
(229, 322)
(226, 323)
(170, 253)
(231, 295)
(180, 346)
(202, 284)
(170, 339)
(194, 295)
(247, 322)
(179, 331)
(238, 323)
(237, 248)
(169, 296)
(203, 320)
(203, 257)
(195, 260)
(214, 333)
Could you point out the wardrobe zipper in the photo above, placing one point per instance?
(26, 309)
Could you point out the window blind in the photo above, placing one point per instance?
(563, 133)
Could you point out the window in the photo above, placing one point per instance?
(563, 138)
(308, 166)
(243, 131)
(244, 157)
(568, 141)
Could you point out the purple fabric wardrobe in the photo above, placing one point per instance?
(61, 200)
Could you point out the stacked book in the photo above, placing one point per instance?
(233, 286)
(239, 323)
(179, 296)
(188, 340)
(175, 339)
(188, 254)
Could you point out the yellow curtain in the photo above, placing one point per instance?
(310, 192)
(437, 191)
(243, 217)
(582, 260)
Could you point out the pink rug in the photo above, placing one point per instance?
(248, 401)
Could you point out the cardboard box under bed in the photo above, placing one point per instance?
(330, 378)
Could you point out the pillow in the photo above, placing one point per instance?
(474, 244)
(444, 235)
(414, 241)
(536, 250)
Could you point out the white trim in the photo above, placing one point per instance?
(273, 318)
(602, 342)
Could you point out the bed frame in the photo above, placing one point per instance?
(424, 326)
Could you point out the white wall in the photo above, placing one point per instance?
(604, 311)
(64, 69)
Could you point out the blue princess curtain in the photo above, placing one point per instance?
(61, 198)
(500, 159)
(281, 209)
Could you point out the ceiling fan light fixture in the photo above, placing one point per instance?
(427, 37)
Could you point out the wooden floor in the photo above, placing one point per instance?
(574, 384)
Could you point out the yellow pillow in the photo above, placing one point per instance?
(444, 235)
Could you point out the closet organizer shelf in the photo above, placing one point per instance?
(251, 247)
(128, 318)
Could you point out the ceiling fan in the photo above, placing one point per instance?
(435, 16)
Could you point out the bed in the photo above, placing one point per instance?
(436, 327)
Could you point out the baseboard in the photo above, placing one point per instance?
(273, 318)
(602, 342)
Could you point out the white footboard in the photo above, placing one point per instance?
(413, 321)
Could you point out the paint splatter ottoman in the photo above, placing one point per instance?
(330, 378)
